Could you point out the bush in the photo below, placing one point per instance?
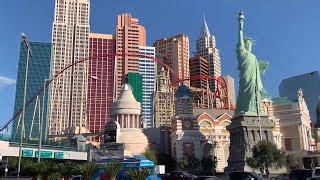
(140, 174)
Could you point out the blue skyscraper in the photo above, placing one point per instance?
(147, 69)
(310, 85)
(39, 69)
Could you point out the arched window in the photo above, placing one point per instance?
(205, 124)
(225, 123)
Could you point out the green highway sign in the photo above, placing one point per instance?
(27, 153)
(45, 154)
(58, 155)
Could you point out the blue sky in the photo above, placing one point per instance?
(286, 32)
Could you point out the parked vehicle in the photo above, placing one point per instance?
(206, 177)
(300, 174)
(241, 175)
(77, 178)
(179, 175)
(283, 176)
(315, 173)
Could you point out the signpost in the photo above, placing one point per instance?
(146, 163)
(58, 155)
(27, 153)
(45, 154)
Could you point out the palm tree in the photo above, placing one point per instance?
(112, 169)
(150, 155)
(140, 174)
(66, 169)
(87, 170)
(28, 167)
(44, 169)
(54, 176)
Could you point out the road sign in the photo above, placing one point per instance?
(58, 155)
(146, 163)
(45, 154)
(27, 153)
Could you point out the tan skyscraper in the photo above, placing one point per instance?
(129, 36)
(68, 93)
(231, 91)
(174, 51)
(163, 100)
(198, 68)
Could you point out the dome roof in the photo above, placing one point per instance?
(132, 136)
(183, 91)
(126, 103)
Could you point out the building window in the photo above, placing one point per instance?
(288, 144)
(253, 135)
(266, 135)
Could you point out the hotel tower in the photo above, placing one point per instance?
(129, 36)
(68, 91)
(206, 48)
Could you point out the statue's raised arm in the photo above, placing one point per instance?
(240, 40)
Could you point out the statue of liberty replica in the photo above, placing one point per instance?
(249, 124)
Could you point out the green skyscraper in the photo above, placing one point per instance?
(39, 69)
(135, 81)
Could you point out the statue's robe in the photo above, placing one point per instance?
(250, 86)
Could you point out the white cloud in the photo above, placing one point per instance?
(4, 81)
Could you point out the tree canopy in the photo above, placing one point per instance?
(266, 155)
(189, 163)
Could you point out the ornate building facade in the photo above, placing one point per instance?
(215, 139)
(185, 134)
(295, 124)
(201, 133)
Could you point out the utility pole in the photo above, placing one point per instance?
(24, 40)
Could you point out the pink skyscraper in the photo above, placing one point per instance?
(101, 80)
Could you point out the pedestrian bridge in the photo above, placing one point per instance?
(11, 149)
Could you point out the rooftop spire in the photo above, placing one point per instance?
(204, 29)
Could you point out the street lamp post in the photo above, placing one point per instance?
(29, 53)
(6, 169)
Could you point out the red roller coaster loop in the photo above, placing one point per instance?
(159, 61)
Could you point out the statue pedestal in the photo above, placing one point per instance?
(244, 134)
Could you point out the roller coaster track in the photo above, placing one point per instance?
(177, 80)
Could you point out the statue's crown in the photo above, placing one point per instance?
(249, 39)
